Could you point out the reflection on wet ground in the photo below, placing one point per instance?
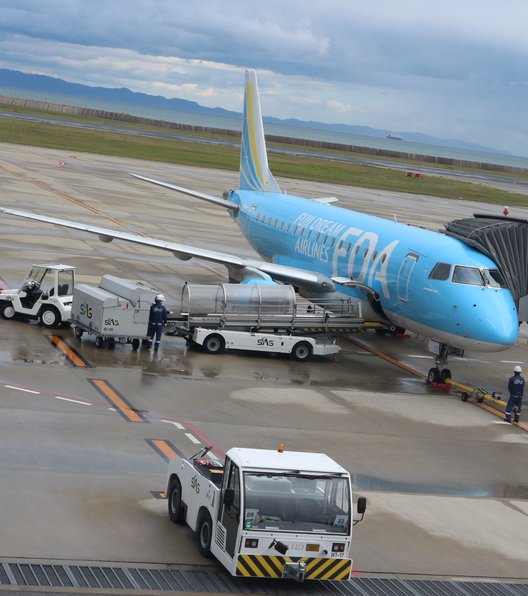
(505, 491)
(176, 358)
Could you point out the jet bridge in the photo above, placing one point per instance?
(505, 241)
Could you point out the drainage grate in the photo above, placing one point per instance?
(184, 580)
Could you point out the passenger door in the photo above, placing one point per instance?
(404, 275)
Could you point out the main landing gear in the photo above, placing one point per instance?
(439, 374)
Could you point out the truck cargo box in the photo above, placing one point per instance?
(119, 308)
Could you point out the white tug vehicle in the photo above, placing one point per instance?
(46, 295)
(266, 513)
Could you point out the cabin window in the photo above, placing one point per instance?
(347, 250)
(340, 244)
(325, 240)
(317, 237)
(309, 234)
(288, 228)
(295, 230)
(282, 225)
(440, 271)
(333, 242)
(301, 232)
(269, 220)
(468, 275)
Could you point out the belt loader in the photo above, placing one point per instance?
(266, 513)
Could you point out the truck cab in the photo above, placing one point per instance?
(45, 295)
(268, 513)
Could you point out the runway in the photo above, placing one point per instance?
(86, 433)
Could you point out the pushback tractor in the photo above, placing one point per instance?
(266, 513)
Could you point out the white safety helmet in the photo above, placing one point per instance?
(159, 298)
(517, 369)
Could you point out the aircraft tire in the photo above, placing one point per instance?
(7, 310)
(204, 532)
(99, 342)
(176, 510)
(433, 376)
(49, 317)
(445, 374)
(214, 344)
(302, 351)
(78, 332)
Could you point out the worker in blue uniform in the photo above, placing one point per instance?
(157, 320)
(516, 389)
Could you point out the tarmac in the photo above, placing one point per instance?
(446, 480)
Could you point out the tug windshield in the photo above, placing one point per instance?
(297, 503)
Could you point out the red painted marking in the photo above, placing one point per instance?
(203, 438)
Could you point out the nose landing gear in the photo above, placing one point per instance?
(439, 373)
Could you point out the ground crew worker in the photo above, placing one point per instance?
(516, 389)
(157, 320)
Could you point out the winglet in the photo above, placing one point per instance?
(254, 170)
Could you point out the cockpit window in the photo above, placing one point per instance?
(478, 277)
(440, 271)
(495, 278)
(468, 275)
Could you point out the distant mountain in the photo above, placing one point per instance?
(20, 81)
(44, 84)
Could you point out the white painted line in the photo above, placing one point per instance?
(112, 410)
(420, 356)
(176, 424)
(193, 438)
(21, 389)
(75, 401)
(511, 361)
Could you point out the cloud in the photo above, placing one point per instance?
(454, 69)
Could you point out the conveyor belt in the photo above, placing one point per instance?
(504, 240)
(138, 580)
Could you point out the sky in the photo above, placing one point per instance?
(453, 69)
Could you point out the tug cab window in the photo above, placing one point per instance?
(440, 271)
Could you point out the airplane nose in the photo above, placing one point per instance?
(499, 320)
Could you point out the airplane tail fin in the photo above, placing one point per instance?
(254, 170)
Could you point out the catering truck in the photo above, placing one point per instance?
(268, 513)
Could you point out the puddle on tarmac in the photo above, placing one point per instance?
(503, 491)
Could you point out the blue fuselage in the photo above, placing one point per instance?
(395, 260)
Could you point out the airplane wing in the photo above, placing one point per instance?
(191, 193)
(240, 269)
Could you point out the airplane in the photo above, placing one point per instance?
(404, 276)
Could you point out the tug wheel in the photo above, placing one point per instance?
(301, 351)
(7, 310)
(214, 344)
(176, 511)
(204, 531)
(50, 317)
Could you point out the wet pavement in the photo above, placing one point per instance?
(446, 480)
